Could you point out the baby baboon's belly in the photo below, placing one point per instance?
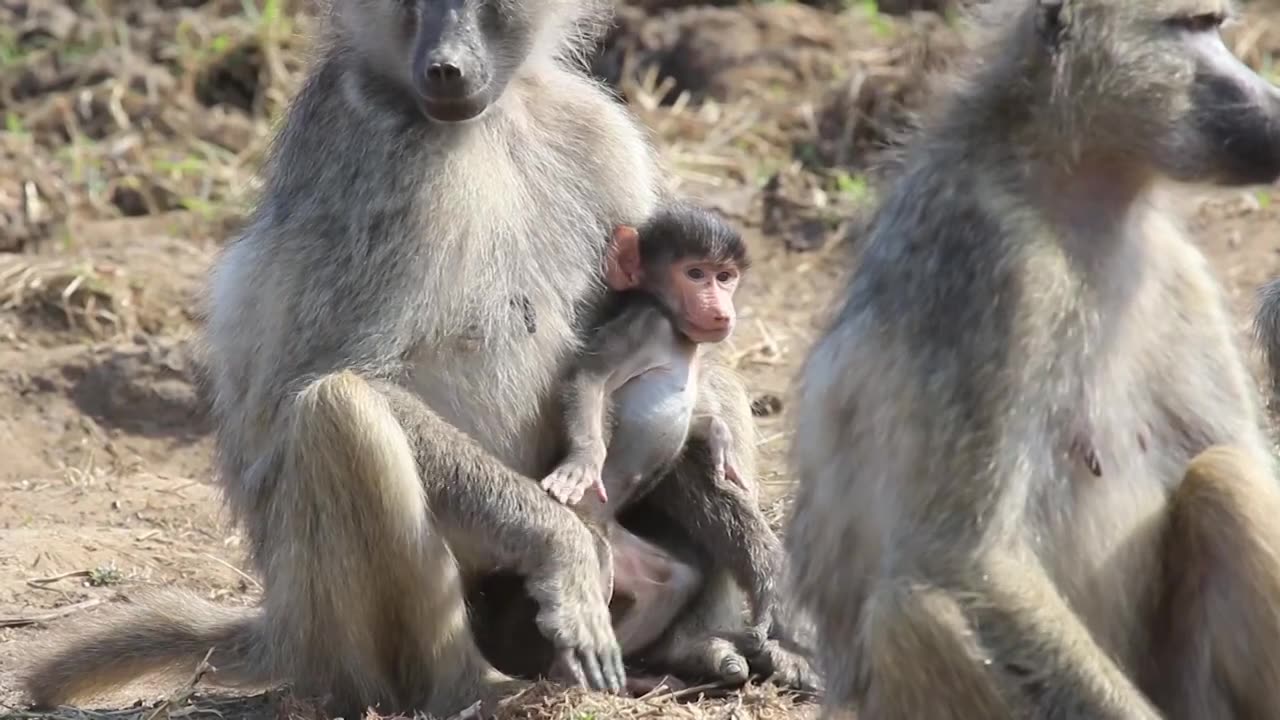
(652, 414)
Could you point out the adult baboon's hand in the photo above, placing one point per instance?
(573, 613)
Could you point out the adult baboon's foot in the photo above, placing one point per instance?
(785, 667)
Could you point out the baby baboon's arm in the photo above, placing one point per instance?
(619, 350)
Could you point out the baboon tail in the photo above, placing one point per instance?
(167, 631)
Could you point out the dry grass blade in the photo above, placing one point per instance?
(25, 620)
(83, 294)
(184, 693)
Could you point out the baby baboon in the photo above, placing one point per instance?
(384, 344)
(675, 279)
(673, 283)
(629, 403)
(1027, 272)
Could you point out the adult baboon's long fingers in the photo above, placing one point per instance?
(568, 662)
(595, 675)
(617, 674)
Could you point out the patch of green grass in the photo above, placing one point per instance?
(105, 575)
(66, 242)
(879, 22)
(853, 188)
(1267, 68)
(188, 164)
(1264, 199)
(10, 51)
(202, 207)
(270, 20)
(13, 124)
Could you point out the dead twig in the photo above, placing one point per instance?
(184, 693)
(40, 582)
(248, 578)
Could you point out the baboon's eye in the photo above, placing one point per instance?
(1202, 22)
(695, 273)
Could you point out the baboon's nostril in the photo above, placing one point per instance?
(444, 72)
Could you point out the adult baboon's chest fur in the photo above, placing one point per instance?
(519, 213)
(1112, 386)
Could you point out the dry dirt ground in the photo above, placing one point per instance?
(132, 131)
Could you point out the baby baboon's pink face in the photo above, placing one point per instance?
(705, 291)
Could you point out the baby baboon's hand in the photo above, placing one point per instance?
(568, 482)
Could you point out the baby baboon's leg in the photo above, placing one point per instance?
(728, 528)
(366, 567)
(1216, 638)
(911, 635)
(657, 585)
(704, 641)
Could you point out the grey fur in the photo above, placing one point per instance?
(1266, 329)
(1024, 278)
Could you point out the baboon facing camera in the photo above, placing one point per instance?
(1025, 284)
(384, 343)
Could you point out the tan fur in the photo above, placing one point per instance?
(1027, 281)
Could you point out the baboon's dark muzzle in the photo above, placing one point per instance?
(449, 69)
(1241, 123)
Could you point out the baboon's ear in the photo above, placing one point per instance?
(1053, 21)
(622, 262)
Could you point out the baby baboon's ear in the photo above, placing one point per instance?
(1053, 20)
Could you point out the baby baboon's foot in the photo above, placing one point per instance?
(570, 481)
(723, 661)
(711, 657)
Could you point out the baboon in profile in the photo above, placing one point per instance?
(384, 343)
(1026, 277)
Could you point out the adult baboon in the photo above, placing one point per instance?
(1025, 283)
(384, 341)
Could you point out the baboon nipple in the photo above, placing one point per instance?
(1083, 447)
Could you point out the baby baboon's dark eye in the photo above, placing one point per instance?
(695, 273)
(1203, 22)
(724, 276)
